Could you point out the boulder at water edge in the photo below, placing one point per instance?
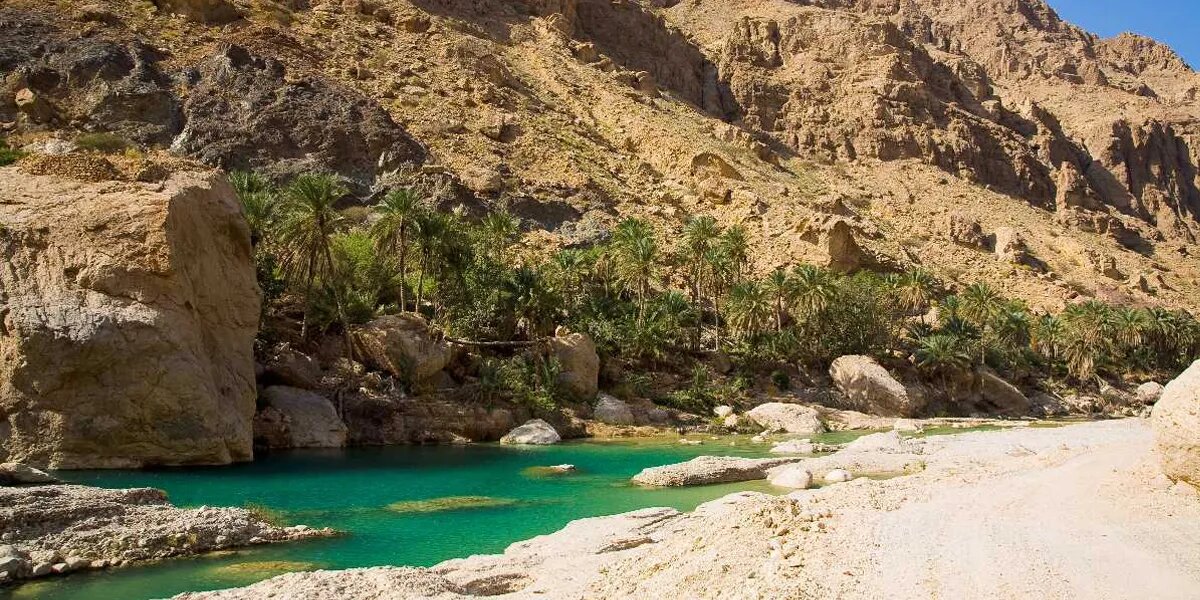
(130, 316)
(1148, 393)
(1176, 421)
(306, 419)
(790, 418)
(18, 474)
(612, 410)
(534, 432)
(869, 388)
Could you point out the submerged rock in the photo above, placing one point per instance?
(449, 503)
(534, 432)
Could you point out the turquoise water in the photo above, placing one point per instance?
(350, 490)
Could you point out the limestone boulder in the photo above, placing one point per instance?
(964, 229)
(576, 354)
(534, 432)
(1001, 396)
(402, 345)
(1148, 393)
(870, 388)
(308, 419)
(613, 411)
(1176, 421)
(289, 367)
(705, 470)
(131, 311)
(12, 473)
(791, 476)
(789, 418)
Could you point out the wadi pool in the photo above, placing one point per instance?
(397, 506)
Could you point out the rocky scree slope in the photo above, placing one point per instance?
(849, 132)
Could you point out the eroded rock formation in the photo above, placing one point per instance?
(129, 315)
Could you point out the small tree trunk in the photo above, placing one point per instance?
(338, 289)
(403, 269)
(308, 283)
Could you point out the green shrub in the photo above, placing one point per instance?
(8, 155)
(105, 143)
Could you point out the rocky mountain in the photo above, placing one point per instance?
(846, 131)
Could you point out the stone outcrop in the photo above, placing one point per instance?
(130, 316)
(1001, 396)
(296, 418)
(402, 345)
(790, 476)
(12, 473)
(209, 12)
(576, 354)
(381, 419)
(705, 470)
(1176, 419)
(55, 529)
(1148, 393)
(534, 432)
(869, 388)
(612, 411)
(788, 418)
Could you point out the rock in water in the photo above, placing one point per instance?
(790, 418)
(869, 388)
(612, 411)
(12, 473)
(308, 419)
(704, 470)
(535, 432)
(131, 316)
(1176, 420)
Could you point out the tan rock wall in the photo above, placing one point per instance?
(129, 315)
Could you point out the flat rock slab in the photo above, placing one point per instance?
(704, 470)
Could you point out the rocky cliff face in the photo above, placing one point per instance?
(781, 116)
(129, 315)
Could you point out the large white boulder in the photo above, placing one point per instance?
(613, 411)
(1176, 421)
(12, 473)
(791, 476)
(533, 432)
(790, 418)
(869, 388)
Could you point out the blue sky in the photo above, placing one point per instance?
(1174, 22)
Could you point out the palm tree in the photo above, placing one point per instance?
(429, 229)
(1089, 338)
(636, 260)
(943, 354)
(735, 246)
(500, 230)
(307, 223)
(397, 214)
(815, 289)
(1046, 336)
(749, 308)
(915, 290)
(257, 197)
(980, 303)
(700, 236)
(782, 289)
